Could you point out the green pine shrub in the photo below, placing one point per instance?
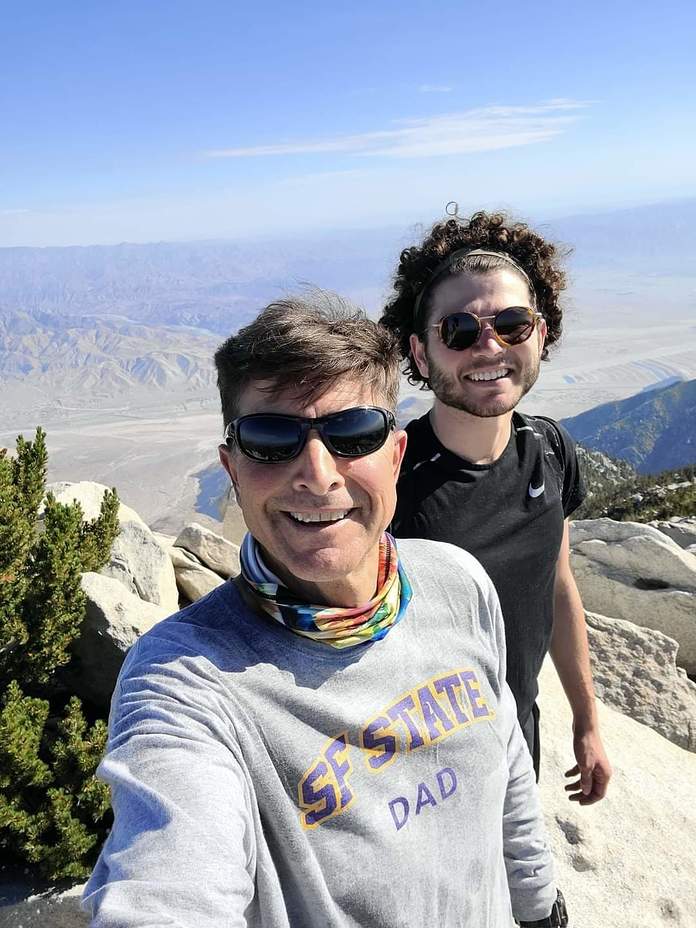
(54, 813)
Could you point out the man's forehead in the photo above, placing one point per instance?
(499, 286)
(271, 395)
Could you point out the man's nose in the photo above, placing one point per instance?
(487, 341)
(316, 468)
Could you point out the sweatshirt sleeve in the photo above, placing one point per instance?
(181, 852)
(528, 859)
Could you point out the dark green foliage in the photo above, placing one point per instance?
(635, 498)
(53, 811)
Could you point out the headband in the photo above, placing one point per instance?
(449, 261)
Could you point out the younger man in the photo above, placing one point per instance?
(476, 307)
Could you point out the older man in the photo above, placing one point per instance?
(327, 740)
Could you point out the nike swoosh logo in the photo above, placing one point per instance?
(535, 491)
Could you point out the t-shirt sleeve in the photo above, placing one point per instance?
(181, 851)
(573, 492)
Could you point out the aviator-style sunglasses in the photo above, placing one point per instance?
(511, 326)
(271, 438)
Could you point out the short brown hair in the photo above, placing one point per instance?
(308, 343)
(539, 259)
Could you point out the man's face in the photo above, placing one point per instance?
(455, 375)
(358, 494)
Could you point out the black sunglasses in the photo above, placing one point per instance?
(512, 326)
(273, 439)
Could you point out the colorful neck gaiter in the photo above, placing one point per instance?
(338, 627)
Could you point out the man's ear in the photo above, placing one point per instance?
(228, 462)
(400, 440)
(419, 355)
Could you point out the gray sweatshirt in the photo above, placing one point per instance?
(261, 779)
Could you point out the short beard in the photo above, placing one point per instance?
(451, 392)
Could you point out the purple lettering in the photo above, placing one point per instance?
(433, 714)
(450, 685)
(399, 820)
(337, 747)
(479, 707)
(425, 798)
(441, 776)
(372, 741)
(320, 798)
(400, 711)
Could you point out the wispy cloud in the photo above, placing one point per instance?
(12, 212)
(435, 88)
(476, 130)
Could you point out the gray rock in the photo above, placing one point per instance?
(681, 529)
(115, 620)
(628, 861)
(635, 672)
(143, 566)
(631, 571)
(137, 559)
(193, 578)
(48, 909)
(212, 550)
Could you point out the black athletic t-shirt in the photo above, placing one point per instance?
(509, 515)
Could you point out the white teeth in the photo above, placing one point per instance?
(489, 375)
(320, 516)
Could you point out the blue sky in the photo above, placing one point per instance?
(148, 120)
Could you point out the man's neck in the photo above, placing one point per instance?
(347, 592)
(476, 439)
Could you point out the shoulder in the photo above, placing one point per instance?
(443, 563)
(556, 434)
(422, 444)
(198, 632)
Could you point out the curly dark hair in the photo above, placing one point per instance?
(539, 259)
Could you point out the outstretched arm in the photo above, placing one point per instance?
(181, 851)
(571, 656)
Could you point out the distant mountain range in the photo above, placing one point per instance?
(102, 355)
(654, 430)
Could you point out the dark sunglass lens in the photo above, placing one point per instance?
(514, 325)
(356, 432)
(269, 439)
(459, 331)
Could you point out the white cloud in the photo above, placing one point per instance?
(13, 212)
(435, 88)
(482, 129)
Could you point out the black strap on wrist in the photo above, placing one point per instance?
(557, 919)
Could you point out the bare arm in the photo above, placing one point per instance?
(571, 656)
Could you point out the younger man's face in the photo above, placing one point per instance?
(456, 376)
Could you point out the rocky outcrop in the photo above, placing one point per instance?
(24, 906)
(635, 671)
(212, 550)
(115, 619)
(681, 529)
(628, 861)
(193, 578)
(632, 571)
(143, 566)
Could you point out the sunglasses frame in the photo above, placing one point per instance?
(307, 425)
(533, 314)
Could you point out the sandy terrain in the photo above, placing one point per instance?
(152, 453)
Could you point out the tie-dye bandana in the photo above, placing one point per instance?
(338, 627)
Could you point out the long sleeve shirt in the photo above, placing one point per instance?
(261, 779)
